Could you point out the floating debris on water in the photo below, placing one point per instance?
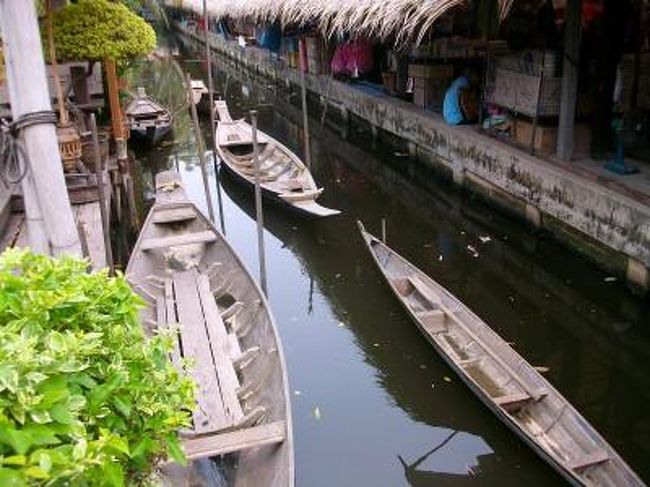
(317, 413)
(423, 367)
(447, 379)
(440, 258)
(296, 393)
(376, 345)
(610, 279)
(542, 369)
(485, 238)
(472, 251)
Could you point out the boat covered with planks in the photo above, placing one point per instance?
(195, 283)
(283, 176)
(513, 389)
(147, 119)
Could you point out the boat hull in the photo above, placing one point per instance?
(177, 238)
(393, 267)
(151, 135)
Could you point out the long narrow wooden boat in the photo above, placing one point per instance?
(284, 177)
(194, 281)
(501, 378)
(147, 119)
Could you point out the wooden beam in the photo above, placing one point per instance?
(571, 55)
(214, 445)
(114, 99)
(206, 236)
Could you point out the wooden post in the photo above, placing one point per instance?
(27, 82)
(258, 204)
(571, 55)
(199, 146)
(383, 230)
(215, 157)
(99, 172)
(63, 113)
(303, 95)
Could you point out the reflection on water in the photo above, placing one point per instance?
(372, 402)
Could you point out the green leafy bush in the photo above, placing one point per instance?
(98, 29)
(85, 397)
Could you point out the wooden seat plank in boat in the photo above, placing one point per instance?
(256, 436)
(183, 239)
(174, 215)
(589, 460)
(210, 414)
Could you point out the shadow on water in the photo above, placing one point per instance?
(372, 402)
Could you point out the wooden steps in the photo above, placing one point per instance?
(206, 236)
(256, 436)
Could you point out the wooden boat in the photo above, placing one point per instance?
(284, 177)
(517, 393)
(147, 119)
(188, 274)
(201, 97)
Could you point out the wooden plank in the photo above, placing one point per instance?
(434, 321)
(512, 402)
(206, 236)
(589, 460)
(209, 414)
(228, 381)
(166, 317)
(214, 445)
(173, 215)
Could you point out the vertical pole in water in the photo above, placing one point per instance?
(99, 172)
(258, 204)
(200, 148)
(215, 159)
(383, 230)
(302, 55)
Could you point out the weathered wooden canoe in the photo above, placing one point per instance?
(284, 177)
(501, 378)
(147, 119)
(190, 276)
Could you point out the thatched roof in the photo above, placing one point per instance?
(407, 20)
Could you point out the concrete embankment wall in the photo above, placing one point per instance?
(608, 227)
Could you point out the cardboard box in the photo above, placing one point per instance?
(546, 137)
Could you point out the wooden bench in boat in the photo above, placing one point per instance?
(206, 236)
(220, 424)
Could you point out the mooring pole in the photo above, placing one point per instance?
(303, 96)
(50, 224)
(213, 126)
(258, 204)
(383, 230)
(200, 147)
(99, 172)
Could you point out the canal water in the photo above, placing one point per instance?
(373, 404)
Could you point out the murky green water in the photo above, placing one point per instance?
(372, 402)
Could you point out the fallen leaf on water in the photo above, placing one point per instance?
(316, 413)
(485, 238)
(423, 366)
(375, 345)
(338, 276)
(472, 250)
(446, 379)
(541, 368)
(433, 386)
(610, 279)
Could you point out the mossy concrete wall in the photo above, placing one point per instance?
(610, 228)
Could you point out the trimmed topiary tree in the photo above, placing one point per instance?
(93, 30)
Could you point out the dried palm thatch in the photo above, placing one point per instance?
(405, 20)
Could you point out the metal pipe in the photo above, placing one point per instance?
(99, 172)
(258, 204)
(200, 147)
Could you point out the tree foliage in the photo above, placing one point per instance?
(85, 397)
(98, 29)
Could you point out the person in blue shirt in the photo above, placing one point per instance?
(458, 101)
